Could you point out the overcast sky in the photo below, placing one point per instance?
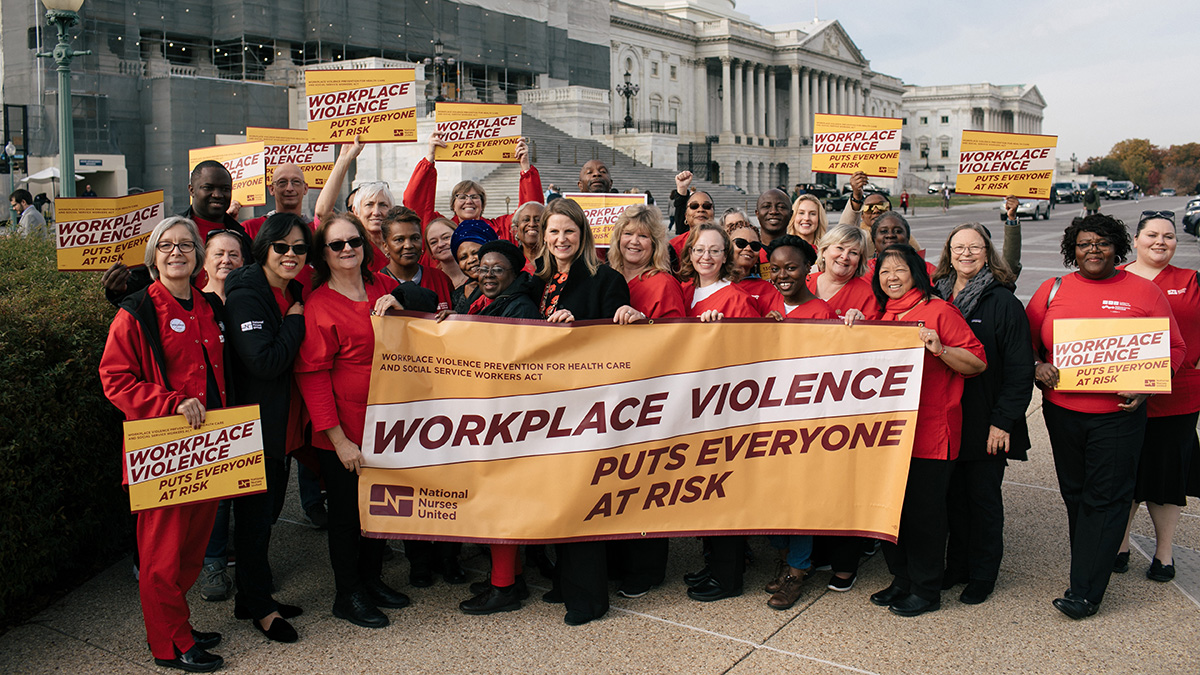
(1109, 70)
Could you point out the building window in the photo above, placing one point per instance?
(654, 112)
(674, 72)
(654, 69)
(924, 120)
(629, 65)
(945, 149)
(945, 119)
(903, 122)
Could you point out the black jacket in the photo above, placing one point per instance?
(999, 396)
(517, 301)
(590, 296)
(264, 345)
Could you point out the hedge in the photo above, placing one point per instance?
(62, 508)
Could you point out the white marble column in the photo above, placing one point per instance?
(822, 93)
(800, 102)
(748, 98)
(739, 97)
(857, 99)
(760, 101)
(700, 97)
(772, 120)
(726, 96)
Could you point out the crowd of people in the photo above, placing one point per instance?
(276, 312)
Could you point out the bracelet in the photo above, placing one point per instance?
(941, 353)
(857, 201)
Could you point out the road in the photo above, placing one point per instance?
(1041, 258)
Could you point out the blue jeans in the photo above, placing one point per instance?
(798, 546)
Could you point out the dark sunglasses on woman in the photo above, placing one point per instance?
(337, 246)
(755, 246)
(299, 249)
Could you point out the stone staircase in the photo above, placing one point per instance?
(558, 158)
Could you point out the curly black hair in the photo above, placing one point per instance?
(1103, 226)
(807, 252)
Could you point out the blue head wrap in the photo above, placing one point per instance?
(477, 231)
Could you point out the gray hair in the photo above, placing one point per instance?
(368, 190)
(517, 214)
(734, 212)
(157, 233)
(890, 215)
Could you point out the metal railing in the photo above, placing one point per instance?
(641, 126)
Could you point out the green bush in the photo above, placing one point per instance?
(62, 507)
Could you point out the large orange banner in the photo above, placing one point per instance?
(849, 143)
(1002, 164)
(602, 211)
(168, 463)
(378, 104)
(95, 232)
(1113, 355)
(598, 431)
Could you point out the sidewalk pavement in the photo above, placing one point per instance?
(1142, 626)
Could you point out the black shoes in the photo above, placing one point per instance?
(494, 599)
(382, 595)
(279, 630)
(195, 660)
(1121, 564)
(1160, 572)
(358, 609)
(420, 577)
(694, 579)
(286, 611)
(1075, 607)
(206, 640)
(452, 572)
(888, 595)
(976, 592)
(913, 605)
(710, 590)
(578, 617)
(483, 586)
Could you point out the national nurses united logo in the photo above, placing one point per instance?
(392, 500)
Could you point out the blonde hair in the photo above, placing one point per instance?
(822, 219)
(157, 233)
(845, 234)
(587, 246)
(649, 219)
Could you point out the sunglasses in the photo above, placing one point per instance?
(755, 246)
(1165, 215)
(337, 246)
(299, 249)
(707, 206)
(876, 208)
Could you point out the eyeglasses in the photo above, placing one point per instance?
(877, 208)
(959, 249)
(1165, 215)
(295, 182)
(337, 246)
(299, 249)
(168, 246)
(1096, 244)
(755, 246)
(707, 206)
(495, 270)
(472, 197)
(710, 252)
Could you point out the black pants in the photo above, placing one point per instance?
(639, 563)
(1096, 458)
(916, 559)
(252, 536)
(842, 553)
(582, 572)
(727, 560)
(976, 510)
(426, 556)
(355, 559)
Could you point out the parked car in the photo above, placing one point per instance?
(1167, 192)
(1191, 217)
(1121, 189)
(1033, 208)
(1064, 192)
(1101, 187)
(935, 188)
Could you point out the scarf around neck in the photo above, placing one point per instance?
(897, 306)
(968, 298)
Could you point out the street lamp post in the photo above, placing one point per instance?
(628, 91)
(439, 62)
(9, 151)
(64, 14)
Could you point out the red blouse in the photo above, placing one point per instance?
(856, 294)
(658, 296)
(731, 301)
(813, 309)
(762, 291)
(333, 368)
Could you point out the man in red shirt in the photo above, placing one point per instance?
(288, 188)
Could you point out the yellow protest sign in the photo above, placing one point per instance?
(291, 146)
(168, 463)
(999, 164)
(246, 165)
(380, 105)
(602, 211)
(693, 428)
(95, 232)
(477, 132)
(850, 143)
(1113, 355)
